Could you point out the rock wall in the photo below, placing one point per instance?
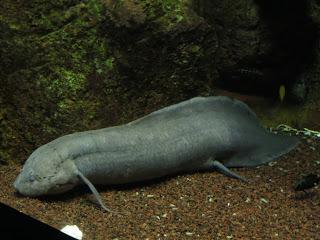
(75, 65)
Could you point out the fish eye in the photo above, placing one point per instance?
(31, 178)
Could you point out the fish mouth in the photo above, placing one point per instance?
(16, 184)
(23, 189)
(20, 190)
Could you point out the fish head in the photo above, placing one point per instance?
(45, 172)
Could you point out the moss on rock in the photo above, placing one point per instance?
(58, 48)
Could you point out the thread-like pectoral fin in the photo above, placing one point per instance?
(94, 191)
(224, 170)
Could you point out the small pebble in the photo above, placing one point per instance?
(210, 198)
(272, 163)
(283, 170)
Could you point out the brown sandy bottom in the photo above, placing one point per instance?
(192, 206)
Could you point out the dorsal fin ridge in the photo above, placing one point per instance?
(214, 101)
(240, 105)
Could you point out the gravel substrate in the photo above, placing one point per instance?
(192, 206)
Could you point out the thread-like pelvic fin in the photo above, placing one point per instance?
(224, 170)
(94, 191)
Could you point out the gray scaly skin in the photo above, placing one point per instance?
(200, 134)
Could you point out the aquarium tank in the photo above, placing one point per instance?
(162, 119)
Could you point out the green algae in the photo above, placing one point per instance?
(56, 47)
(166, 13)
(66, 83)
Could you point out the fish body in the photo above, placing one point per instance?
(203, 133)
